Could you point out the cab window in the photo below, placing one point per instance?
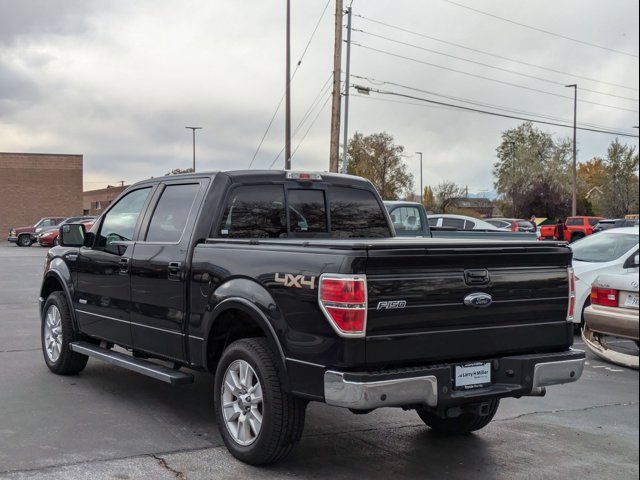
(170, 216)
(255, 211)
(406, 220)
(120, 222)
(307, 211)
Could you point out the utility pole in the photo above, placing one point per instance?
(421, 187)
(193, 131)
(346, 94)
(287, 114)
(574, 189)
(334, 150)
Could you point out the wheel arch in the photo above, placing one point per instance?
(58, 279)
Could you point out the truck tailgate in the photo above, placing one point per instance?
(416, 301)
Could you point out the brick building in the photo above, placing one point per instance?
(36, 185)
(94, 202)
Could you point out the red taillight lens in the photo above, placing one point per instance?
(604, 296)
(338, 290)
(343, 300)
(572, 295)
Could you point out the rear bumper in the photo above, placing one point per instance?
(616, 321)
(433, 386)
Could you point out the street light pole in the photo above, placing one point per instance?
(287, 121)
(421, 187)
(574, 192)
(193, 131)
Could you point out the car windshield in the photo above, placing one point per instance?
(604, 247)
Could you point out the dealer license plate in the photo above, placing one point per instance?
(631, 300)
(473, 375)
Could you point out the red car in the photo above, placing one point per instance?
(575, 228)
(49, 237)
(25, 236)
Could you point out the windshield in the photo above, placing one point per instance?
(604, 247)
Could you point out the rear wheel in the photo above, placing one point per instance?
(57, 334)
(576, 236)
(260, 423)
(466, 422)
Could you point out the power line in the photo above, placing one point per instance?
(537, 29)
(534, 77)
(495, 114)
(501, 57)
(304, 52)
(532, 89)
(472, 102)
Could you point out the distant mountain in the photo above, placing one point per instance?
(490, 195)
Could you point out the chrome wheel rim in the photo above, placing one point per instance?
(53, 333)
(242, 404)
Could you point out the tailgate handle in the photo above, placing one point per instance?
(477, 277)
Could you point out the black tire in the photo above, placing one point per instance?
(24, 240)
(465, 423)
(68, 362)
(576, 237)
(282, 414)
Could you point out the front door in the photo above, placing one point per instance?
(103, 292)
(158, 270)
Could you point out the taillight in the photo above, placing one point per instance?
(343, 300)
(572, 295)
(604, 296)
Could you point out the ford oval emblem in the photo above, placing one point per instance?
(478, 300)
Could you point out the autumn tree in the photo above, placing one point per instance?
(620, 185)
(428, 198)
(591, 178)
(377, 158)
(529, 162)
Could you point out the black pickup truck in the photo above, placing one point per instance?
(290, 287)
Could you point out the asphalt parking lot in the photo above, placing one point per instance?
(110, 423)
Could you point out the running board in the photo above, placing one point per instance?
(150, 369)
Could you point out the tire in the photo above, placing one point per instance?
(24, 240)
(465, 423)
(576, 237)
(282, 415)
(56, 324)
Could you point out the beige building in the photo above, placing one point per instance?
(36, 185)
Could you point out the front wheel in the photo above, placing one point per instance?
(467, 422)
(260, 423)
(57, 334)
(24, 241)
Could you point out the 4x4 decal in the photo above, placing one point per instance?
(292, 280)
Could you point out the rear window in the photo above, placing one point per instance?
(307, 211)
(603, 247)
(356, 213)
(453, 223)
(593, 221)
(406, 219)
(255, 212)
(574, 222)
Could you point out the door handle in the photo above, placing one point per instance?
(124, 266)
(175, 271)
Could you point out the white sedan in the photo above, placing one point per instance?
(461, 222)
(611, 251)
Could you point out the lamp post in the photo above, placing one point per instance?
(193, 131)
(574, 194)
(421, 187)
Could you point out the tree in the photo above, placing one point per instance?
(446, 194)
(428, 198)
(178, 171)
(530, 160)
(620, 186)
(591, 178)
(377, 158)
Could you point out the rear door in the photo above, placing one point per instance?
(158, 269)
(417, 310)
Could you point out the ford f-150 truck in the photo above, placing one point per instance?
(289, 288)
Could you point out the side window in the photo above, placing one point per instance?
(307, 211)
(407, 219)
(255, 212)
(120, 223)
(593, 221)
(171, 213)
(469, 225)
(356, 213)
(453, 222)
(49, 222)
(573, 222)
(433, 221)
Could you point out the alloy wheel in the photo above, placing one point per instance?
(53, 333)
(242, 403)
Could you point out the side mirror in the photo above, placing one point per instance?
(72, 235)
(632, 262)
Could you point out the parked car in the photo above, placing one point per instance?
(291, 288)
(613, 311)
(26, 236)
(49, 236)
(410, 219)
(608, 252)
(513, 224)
(575, 228)
(614, 223)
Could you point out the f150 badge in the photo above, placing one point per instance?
(392, 304)
(292, 280)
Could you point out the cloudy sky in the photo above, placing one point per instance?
(118, 81)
